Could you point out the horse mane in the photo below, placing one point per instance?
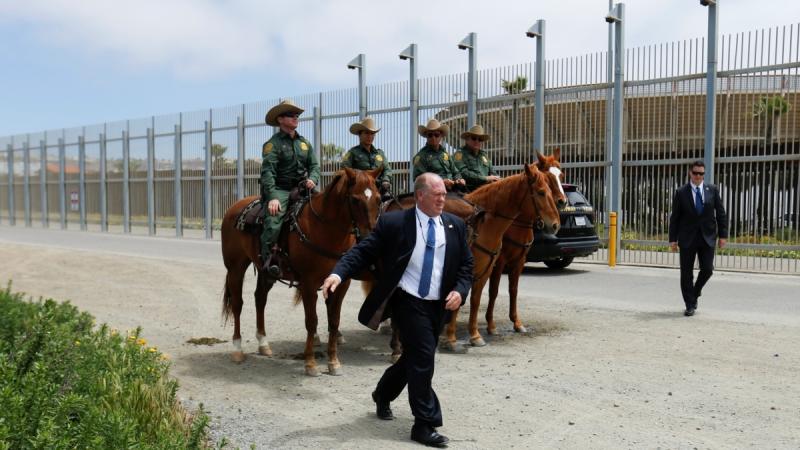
(487, 195)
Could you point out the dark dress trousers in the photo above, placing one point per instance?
(696, 234)
(419, 321)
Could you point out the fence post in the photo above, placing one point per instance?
(711, 91)
(609, 120)
(62, 182)
(178, 181)
(43, 180)
(410, 53)
(103, 187)
(11, 215)
(26, 177)
(617, 15)
(470, 43)
(126, 200)
(207, 178)
(538, 31)
(82, 180)
(240, 157)
(151, 189)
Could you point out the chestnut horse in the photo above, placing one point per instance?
(500, 203)
(325, 228)
(516, 242)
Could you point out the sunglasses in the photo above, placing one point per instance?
(292, 115)
(434, 135)
(473, 138)
(699, 174)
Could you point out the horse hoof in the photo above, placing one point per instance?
(452, 347)
(491, 331)
(265, 350)
(341, 340)
(238, 357)
(477, 342)
(394, 357)
(317, 341)
(335, 370)
(521, 329)
(312, 371)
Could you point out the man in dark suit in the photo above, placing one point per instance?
(428, 274)
(698, 218)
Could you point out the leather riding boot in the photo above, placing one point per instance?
(272, 265)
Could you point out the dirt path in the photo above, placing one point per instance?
(589, 378)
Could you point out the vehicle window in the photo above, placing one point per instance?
(576, 199)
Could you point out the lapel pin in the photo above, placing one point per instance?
(450, 226)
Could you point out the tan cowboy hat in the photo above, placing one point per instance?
(286, 106)
(476, 131)
(365, 125)
(433, 125)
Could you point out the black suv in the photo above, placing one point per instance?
(576, 237)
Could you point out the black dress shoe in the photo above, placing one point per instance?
(382, 409)
(689, 312)
(428, 436)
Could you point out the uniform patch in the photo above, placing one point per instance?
(458, 156)
(416, 160)
(267, 148)
(485, 161)
(346, 156)
(379, 158)
(303, 146)
(446, 157)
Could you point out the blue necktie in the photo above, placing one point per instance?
(427, 261)
(698, 200)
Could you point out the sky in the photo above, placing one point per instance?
(69, 63)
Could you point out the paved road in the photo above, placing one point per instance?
(733, 296)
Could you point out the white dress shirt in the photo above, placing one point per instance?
(410, 279)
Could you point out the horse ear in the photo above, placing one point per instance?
(351, 175)
(531, 171)
(376, 172)
(557, 154)
(541, 158)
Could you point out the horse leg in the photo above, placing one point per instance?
(310, 307)
(334, 307)
(263, 286)
(474, 305)
(450, 333)
(233, 301)
(513, 285)
(397, 347)
(494, 288)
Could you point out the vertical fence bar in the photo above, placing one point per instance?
(151, 188)
(11, 208)
(317, 139)
(207, 178)
(178, 181)
(62, 182)
(103, 184)
(43, 180)
(26, 187)
(82, 180)
(126, 194)
(240, 156)
(711, 91)
(538, 131)
(619, 78)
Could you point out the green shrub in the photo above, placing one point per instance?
(64, 384)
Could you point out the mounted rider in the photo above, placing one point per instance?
(365, 156)
(433, 157)
(287, 159)
(472, 162)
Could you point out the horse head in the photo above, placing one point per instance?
(551, 167)
(548, 218)
(358, 190)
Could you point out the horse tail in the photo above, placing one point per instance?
(226, 302)
(298, 298)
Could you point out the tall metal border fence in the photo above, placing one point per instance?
(176, 174)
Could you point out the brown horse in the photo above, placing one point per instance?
(326, 227)
(516, 242)
(500, 203)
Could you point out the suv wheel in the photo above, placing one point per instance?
(559, 263)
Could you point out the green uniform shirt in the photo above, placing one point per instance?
(473, 167)
(285, 162)
(360, 158)
(436, 161)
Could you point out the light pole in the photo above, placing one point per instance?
(410, 54)
(617, 17)
(360, 63)
(711, 89)
(537, 31)
(470, 43)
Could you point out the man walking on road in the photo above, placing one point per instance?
(428, 273)
(698, 218)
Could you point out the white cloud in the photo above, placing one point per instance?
(312, 40)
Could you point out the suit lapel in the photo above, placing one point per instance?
(410, 231)
(450, 241)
